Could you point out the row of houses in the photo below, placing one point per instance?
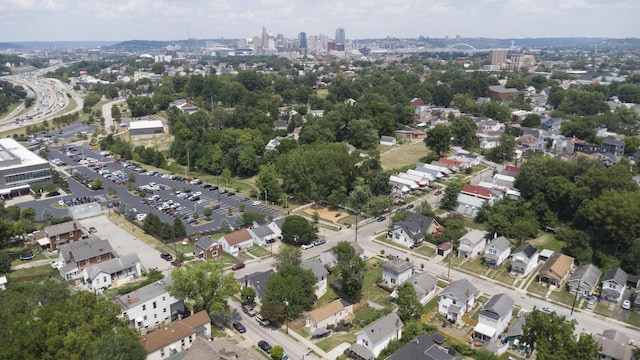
(260, 234)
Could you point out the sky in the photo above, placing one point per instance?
(119, 20)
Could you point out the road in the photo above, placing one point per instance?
(106, 113)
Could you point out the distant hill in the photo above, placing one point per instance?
(50, 45)
(5, 46)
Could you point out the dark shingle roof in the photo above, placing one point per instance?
(617, 274)
(381, 328)
(459, 289)
(528, 249)
(498, 306)
(589, 274)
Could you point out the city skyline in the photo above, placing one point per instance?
(120, 20)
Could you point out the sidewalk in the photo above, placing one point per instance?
(310, 345)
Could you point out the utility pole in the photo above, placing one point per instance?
(575, 299)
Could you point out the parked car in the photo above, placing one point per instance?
(239, 327)
(410, 206)
(439, 192)
(256, 203)
(319, 242)
(381, 219)
(591, 304)
(306, 246)
(230, 193)
(547, 309)
(176, 263)
(265, 346)
(248, 309)
(238, 266)
(166, 256)
(93, 229)
(215, 207)
(626, 305)
(262, 321)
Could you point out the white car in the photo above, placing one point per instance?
(306, 246)
(141, 217)
(547, 310)
(626, 305)
(256, 203)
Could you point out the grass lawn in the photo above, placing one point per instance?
(426, 250)
(322, 93)
(602, 308)
(328, 344)
(563, 296)
(259, 251)
(330, 295)
(548, 241)
(370, 291)
(455, 261)
(476, 266)
(228, 259)
(402, 155)
(33, 273)
(350, 220)
(537, 288)
(501, 274)
(633, 319)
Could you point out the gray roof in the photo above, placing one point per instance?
(459, 289)
(498, 306)
(474, 236)
(381, 328)
(617, 274)
(527, 249)
(315, 265)
(516, 328)
(613, 142)
(85, 249)
(500, 243)
(62, 228)
(204, 243)
(262, 231)
(143, 294)
(415, 225)
(422, 283)
(588, 274)
(613, 344)
(258, 278)
(397, 265)
(423, 347)
(113, 266)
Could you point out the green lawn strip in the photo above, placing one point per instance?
(476, 266)
(259, 252)
(33, 273)
(426, 250)
(331, 342)
(537, 288)
(563, 296)
(602, 308)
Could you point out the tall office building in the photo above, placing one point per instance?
(497, 56)
(340, 39)
(302, 40)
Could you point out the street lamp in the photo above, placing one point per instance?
(265, 197)
(286, 315)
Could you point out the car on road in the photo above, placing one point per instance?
(224, 191)
(166, 256)
(248, 309)
(410, 206)
(306, 246)
(546, 309)
(381, 219)
(262, 321)
(176, 263)
(265, 346)
(230, 193)
(398, 210)
(319, 242)
(239, 327)
(439, 192)
(93, 229)
(256, 203)
(238, 266)
(626, 305)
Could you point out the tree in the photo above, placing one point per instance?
(268, 184)
(409, 307)
(5, 262)
(450, 198)
(439, 139)
(505, 151)
(277, 352)
(247, 295)
(463, 130)
(291, 284)
(179, 230)
(288, 256)
(297, 231)
(362, 134)
(204, 286)
(552, 335)
(351, 269)
(532, 121)
(116, 347)
(96, 184)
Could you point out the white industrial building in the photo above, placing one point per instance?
(20, 168)
(145, 128)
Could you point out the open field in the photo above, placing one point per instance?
(402, 155)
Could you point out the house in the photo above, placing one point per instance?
(467, 159)
(410, 134)
(387, 140)
(121, 270)
(612, 146)
(613, 345)
(220, 349)
(585, 279)
(236, 241)
(500, 92)
(524, 259)
(80, 254)
(395, 272)
(469, 205)
(257, 281)
(63, 233)
(497, 251)
(424, 347)
(471, 244)
(176, 336)
(329, 260)
(613, 284)
(424, 284)
(556, 270)
(514, 334)
(376, 336)
(207, 249)
(150, 305)
(411, 231)
(444, 249)
(330, 314)
(457, 299)
(320, 272)
(494, 317)
(477, 191)
(266, 233)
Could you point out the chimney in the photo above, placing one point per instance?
(222, 351)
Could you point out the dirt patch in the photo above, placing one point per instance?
(326, 214)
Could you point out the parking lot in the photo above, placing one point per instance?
(167, 196)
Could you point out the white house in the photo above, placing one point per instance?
(330, 314)
(613, 284)
(411, 231)
(320, 272)
(122, 270)
(524, 259)
(471, 244)
(376, 336)
(396, 272)
(498, 251)
(177, 336)
(494, 317)
(150, 305)
(236, 241)
(457, 299)
(328, 258)
(424, 284)
(387, 140)
(265, 234)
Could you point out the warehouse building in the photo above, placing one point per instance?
(20, 168)
(145, 129)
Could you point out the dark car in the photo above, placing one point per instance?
(381, 219)
(215, 207)
(230, 193)
(238, 266)
(265, 346)
(410, 206)
(239, 327)
(206, 186)
(166, 256)
(224, 191)
(176, 263)
(438, 192)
